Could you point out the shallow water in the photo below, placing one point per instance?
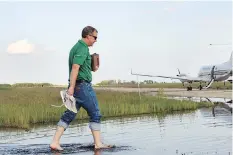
(199, 99)
(223, 102)
(195, 133)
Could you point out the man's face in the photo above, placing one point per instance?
(92, 38)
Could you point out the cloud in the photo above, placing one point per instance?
(20, 47)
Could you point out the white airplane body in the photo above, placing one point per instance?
(211, 73)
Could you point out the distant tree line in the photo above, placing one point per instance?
(115, 82)
(27, 85)
(5, 85)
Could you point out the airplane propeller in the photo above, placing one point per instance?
(178, 72)
(179, 75)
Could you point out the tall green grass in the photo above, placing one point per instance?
(22, 107)
(215, 85)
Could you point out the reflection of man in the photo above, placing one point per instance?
(80, 87)
(97, 152)
(57, 153)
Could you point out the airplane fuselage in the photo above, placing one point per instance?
(219, 72)
(211, 73)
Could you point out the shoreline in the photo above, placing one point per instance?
(172, 92)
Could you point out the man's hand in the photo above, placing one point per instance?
(73, 77)
(71, 91)
(96, 68)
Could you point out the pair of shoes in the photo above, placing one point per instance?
(68, 101)
(104, 146)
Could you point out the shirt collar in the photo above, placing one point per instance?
(82, 42)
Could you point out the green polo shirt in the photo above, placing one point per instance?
(79, 54)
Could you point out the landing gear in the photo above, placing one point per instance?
(218, 87)
(200, 86)
(189, 88)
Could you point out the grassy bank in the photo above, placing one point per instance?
(215, 85)
(22, 107)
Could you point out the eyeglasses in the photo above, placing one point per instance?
(93, 37)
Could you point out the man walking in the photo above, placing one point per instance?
(80, 78)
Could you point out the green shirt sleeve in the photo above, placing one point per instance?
(80, 56)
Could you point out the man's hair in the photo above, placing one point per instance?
(88, 30)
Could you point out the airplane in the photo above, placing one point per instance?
(188, 77)
(229, 79)
(210, 73)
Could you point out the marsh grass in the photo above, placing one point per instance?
(215, 85)
(23, 107)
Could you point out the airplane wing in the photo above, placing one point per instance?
(188, 79)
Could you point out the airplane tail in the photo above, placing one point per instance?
(180, 74)
(230, 60)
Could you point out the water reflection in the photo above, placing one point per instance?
(203, 99)
(221, 102)
(198, 132)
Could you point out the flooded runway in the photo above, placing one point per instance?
(198, 132)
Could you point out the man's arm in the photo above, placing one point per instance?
(78, 60)
(73, 78)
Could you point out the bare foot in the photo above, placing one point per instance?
(103, 146)
(56, 147)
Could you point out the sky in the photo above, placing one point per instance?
(150, 37)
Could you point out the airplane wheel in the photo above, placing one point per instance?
(189, 88)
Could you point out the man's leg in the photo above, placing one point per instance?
(62, 125)
(56, 139)
(96, 132)
(92, 108)
(96, 136)
(94, 125)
